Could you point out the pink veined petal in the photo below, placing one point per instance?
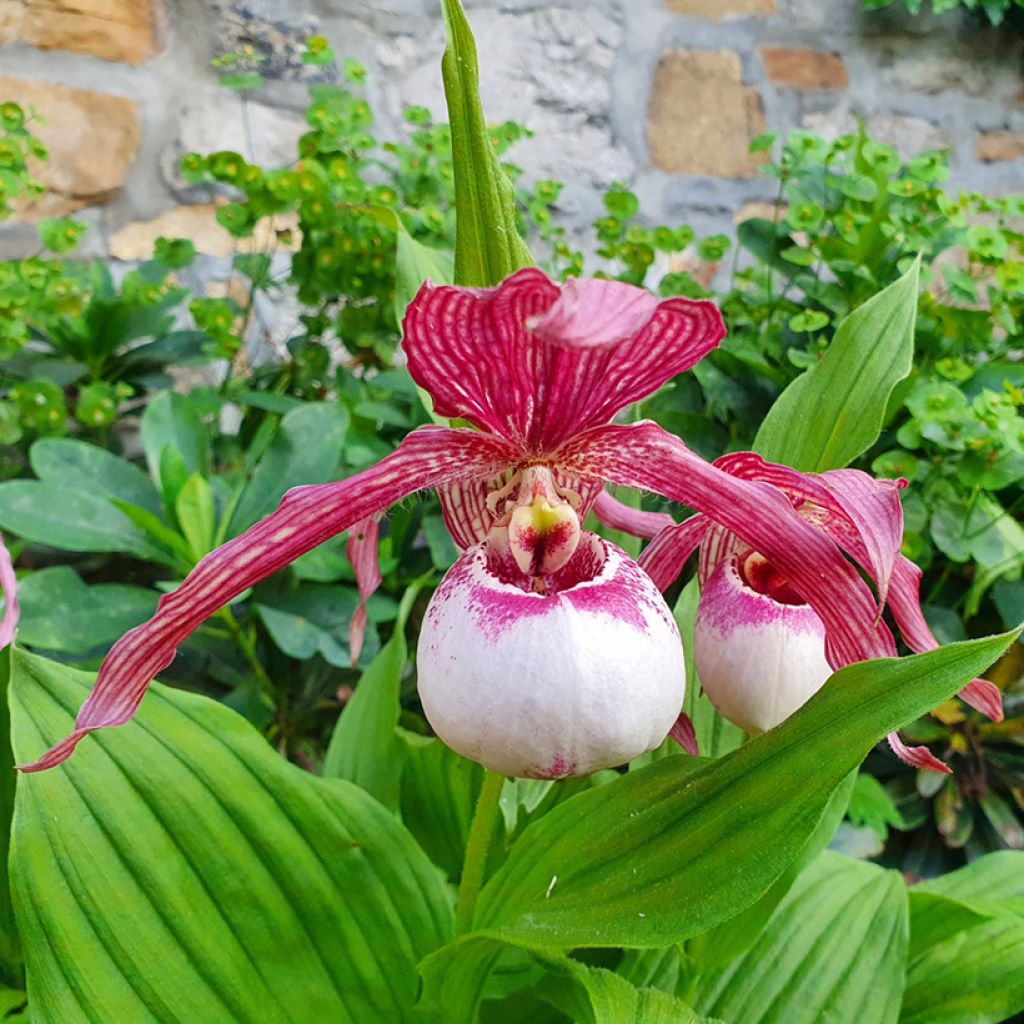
(874, 510)
(10, 590)
(361, 548)
(683, 733)
(614, 513)
(645, 456)
(663, 559)
(306, 517)
(862, 514)
(905, 605)
(464, 507)
(919, 757)
(472, 351)
(591, 313)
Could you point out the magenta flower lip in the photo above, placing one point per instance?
(540, 370)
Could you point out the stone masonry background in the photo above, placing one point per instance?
(662, 94)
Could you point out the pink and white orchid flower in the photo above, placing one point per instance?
(517, 662)
(760, 647)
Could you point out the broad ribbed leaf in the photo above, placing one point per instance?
(967, 944)
(834, 950)
(835, 410)
(661, 854)
(85, 467)
(974, 976)
(487, 244)
(178, 870)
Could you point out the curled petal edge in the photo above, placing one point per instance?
(905, 605)
(919, 757)
(306, 517)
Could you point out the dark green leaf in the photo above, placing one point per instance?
(85, 467)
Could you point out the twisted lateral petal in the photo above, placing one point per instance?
(306, 517)
(905, 605)
(645, 456)
(10, 591)
(663, 559)
(863, 515)
(361, 549)
(472, 350)
(636, 521)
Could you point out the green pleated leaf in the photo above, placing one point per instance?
(177, 870)
(835, 410)
(966, 963)
(661, 854)
(11, 973)
(487, 243)
(834, 950)
(728, 940)
(973, 976)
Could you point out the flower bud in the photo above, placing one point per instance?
(548, 677)
(759, 657)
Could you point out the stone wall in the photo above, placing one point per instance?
(663, 94)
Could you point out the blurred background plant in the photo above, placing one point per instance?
(996, 11)
(148, 423)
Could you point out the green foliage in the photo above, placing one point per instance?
(995, 10)
(271, 895)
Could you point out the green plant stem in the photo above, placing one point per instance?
(247, 647)
(477, 847)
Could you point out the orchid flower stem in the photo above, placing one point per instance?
(247, 647)
(477, 847)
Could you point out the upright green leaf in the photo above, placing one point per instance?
(439, 794)
(364, 746)
(834, 951)
(196, 514)
(171, 421)
(715, 735)
(487, 243)
(10, 944)
(835, 410)
(660, 855)
(178, 871)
